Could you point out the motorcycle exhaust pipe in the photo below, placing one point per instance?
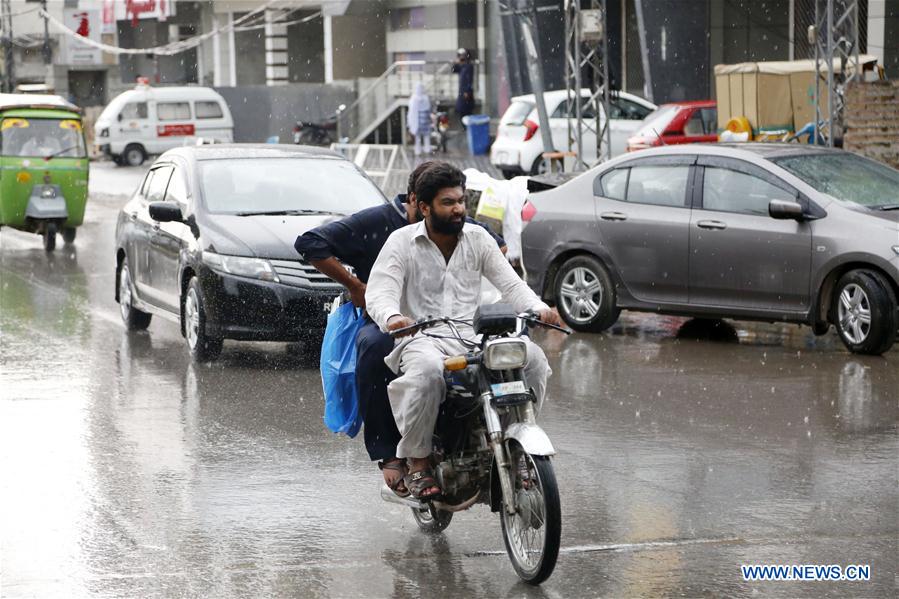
(391, 497)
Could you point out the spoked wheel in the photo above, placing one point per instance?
(533, 533)
(865, 310)
(49, 235)
(432, 520)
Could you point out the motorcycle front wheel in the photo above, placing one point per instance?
(533, 533)
(432, 520)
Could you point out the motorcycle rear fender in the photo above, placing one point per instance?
(533, 440)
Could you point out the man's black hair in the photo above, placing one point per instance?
(436, 177)
(413, 176)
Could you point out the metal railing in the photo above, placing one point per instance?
(391, 91)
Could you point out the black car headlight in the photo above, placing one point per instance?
(253, 268)
(505, 354)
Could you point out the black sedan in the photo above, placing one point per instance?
(207, 241)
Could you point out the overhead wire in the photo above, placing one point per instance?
(170, 49)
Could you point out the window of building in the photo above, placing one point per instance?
(173, 111)
(412, 17)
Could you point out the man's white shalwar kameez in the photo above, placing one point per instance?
(412, 278)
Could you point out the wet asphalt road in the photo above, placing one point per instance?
(684, 451)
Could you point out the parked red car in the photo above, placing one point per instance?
(677, 123)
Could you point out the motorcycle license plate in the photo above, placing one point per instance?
(512, 388)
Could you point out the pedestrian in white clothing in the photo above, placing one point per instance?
(434, 268)
(418, 119)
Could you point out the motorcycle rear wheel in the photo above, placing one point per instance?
(533, 533)
(432, 520)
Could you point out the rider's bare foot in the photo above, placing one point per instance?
(394, 470)
(420, 481)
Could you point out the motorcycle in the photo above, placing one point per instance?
(487, 446)
(314, 134)
(440, 130)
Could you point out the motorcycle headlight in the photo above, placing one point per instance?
(505, 354)
(253, 268)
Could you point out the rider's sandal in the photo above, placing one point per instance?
(421, 481)
(399, 485)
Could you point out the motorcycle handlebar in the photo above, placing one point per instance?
(529, 316)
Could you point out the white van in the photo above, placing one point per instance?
(150, 120)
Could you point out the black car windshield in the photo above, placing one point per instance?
(285, 186)
(846, 177)
(44, 138)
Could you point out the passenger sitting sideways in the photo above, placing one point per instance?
(356, 241)
(434, 268)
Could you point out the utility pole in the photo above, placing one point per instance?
(7, 43)
(535, 69)
(836, 39)
(586, 55)
(48, 54)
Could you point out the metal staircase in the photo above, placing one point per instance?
(390, 92)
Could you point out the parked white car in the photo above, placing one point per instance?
(519, 146)
(150, 120)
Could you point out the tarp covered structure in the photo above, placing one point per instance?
(774, 96)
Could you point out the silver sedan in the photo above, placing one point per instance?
(771, 232)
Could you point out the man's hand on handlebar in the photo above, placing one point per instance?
(550, 316)
(398, 321)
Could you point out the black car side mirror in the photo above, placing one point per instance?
(785, 210)
(166, 212)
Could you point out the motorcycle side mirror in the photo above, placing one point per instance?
(166, 212)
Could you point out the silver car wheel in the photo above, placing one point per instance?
(125, 292)
(192, 318)
(581, 294)
(854, 313)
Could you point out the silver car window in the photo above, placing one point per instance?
(614, 184)
(724, 190)
(658, 185)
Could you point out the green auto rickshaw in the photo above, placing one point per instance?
(43, 166)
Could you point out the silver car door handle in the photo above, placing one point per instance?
(613, 216)
(711, 224)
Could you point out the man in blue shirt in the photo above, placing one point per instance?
(356, 241)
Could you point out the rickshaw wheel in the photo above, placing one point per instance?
(50, 237)
(68, 234)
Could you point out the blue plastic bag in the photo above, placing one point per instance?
(338, 368)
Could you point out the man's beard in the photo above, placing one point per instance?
(445, 225)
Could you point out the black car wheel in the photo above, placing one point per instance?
(134, 319)
(539, 167)
(585, 295)
(864, 312)
(203, 347)
(68, 234)
(134, 155)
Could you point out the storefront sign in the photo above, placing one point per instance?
(85, 23)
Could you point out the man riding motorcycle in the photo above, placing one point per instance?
(355, 241)
(435, 268)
